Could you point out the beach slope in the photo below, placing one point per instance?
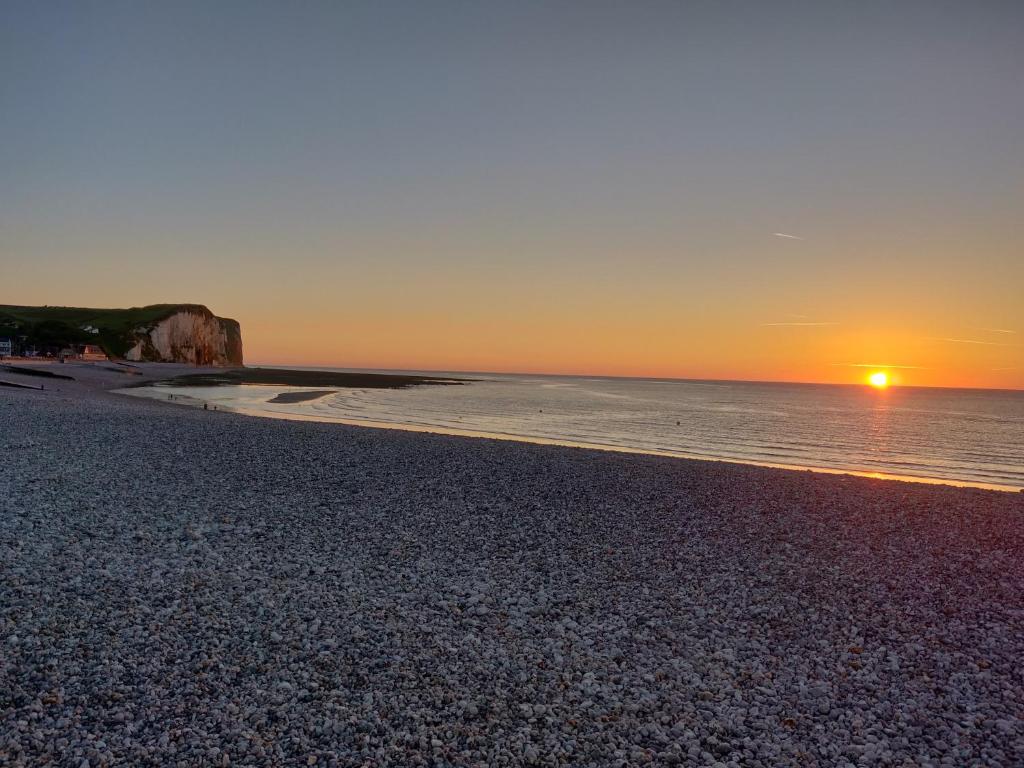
(187, 587)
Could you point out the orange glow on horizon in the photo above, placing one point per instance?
(557, 344)
(447, 322)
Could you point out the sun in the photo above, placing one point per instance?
(879, 379)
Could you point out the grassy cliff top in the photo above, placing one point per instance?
(63, 325)
(114, 319)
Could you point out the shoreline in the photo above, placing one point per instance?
(177, 586)
(299, 396)
(303, 378)
(433, 430)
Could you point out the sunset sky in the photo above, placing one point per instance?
(783, 191)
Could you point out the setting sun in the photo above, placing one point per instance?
(879, 379)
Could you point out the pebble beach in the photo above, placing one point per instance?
(181, 587)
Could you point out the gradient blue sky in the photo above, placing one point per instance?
(577, 187)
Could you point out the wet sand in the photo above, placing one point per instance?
(306, 378)
(300, 397)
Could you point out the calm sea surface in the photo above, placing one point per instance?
(953, 435)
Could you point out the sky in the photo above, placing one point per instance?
(777, 191)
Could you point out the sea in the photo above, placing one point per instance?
(969, 437)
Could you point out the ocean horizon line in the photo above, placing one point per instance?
(667, 379)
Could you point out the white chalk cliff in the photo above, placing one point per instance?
(192, 335)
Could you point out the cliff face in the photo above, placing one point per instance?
(193, 334)
(185, 333)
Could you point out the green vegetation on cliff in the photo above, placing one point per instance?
(66, 326)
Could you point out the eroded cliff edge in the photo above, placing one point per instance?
(193, 335)
(180, 333)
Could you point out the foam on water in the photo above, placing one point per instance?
(973, 437)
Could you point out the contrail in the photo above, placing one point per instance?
(765, 325)
(783, 234)
(972, 341)
(881, 365)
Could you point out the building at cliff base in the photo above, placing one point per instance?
(174, 333)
